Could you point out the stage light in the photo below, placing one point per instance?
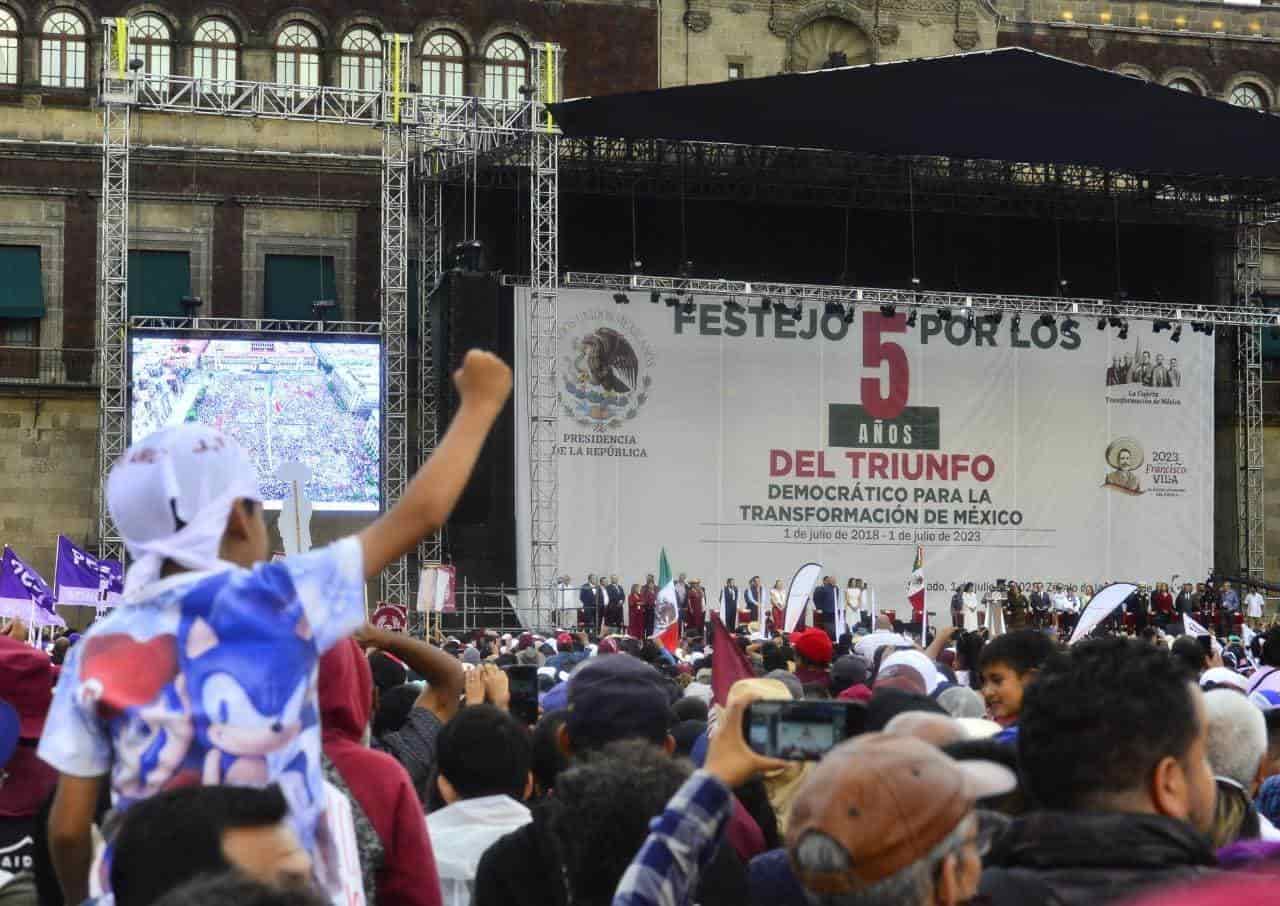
(1159, 325)
(1177, 334)
(887, 311)
(621, 299)
(1208, 330)
(655, 297)
(849, 314)
(944, 314)
(994, 317)
(1070, 324)
(1046, 320)
(688, 306)
(911, 318)
(766, 304)
(1115, 322)
(731, 304)
(1016, 321)
(968, 316)
(673, 301)
(797, 311)
(191, 305)
(1102, 324)
(834, 308)
(1124, 332)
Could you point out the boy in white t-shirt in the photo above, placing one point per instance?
(206, 673)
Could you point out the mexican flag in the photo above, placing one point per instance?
(666, 617)
(915, 587)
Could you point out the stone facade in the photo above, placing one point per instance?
(714, 40)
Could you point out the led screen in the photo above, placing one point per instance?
(283, 400)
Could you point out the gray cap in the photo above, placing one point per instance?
(790, 680)
(471, 656)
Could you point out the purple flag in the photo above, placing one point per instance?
(81, 578)
(24, 594)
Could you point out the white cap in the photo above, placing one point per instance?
(170, 496)
(918, 661)
(1221, 676)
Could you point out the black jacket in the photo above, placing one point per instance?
(1070, 859)
(523, 869)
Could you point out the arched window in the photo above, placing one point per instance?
(63, 49)
(1248, 95)
(8, 48)
(362, 60)
(1186, 85)
(149, 42)
(216, 53)
(506, 69)
(298, 56)
(443, 63)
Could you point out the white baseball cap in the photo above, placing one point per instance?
(170, 495)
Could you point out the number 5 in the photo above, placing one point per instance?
(876, 350)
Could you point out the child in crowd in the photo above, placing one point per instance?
(206, 673)
(1008, 665)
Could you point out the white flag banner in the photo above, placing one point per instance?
(802, 586)
(1101, 607)
(1191, 627)
(1030, 448)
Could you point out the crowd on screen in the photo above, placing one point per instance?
(235, 733)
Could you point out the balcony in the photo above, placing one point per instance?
(35, 367)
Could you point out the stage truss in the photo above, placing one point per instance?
(476, 142)
(434, 132)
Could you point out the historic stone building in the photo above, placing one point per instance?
(714, 40)
(221, 206)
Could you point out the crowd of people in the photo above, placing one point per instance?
(235, 734)
(603, 603)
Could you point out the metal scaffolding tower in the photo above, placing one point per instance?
(430, 261)
(1250, 510)
(440, 133)
(544, 266)
(119, 94)
(395, 293)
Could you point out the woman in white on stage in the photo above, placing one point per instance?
(995, 615)
(853, 605)
(778, 605)
(970, 598)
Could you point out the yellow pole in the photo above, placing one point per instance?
(122, 43)
(395, 70)
(550, 94)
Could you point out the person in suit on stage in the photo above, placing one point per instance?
(824, 605)
(613, 610)
(588, 597)
(682, 592)
(1184, 602)
(729, 604)
(755, 598)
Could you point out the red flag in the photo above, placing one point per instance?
(729, 663)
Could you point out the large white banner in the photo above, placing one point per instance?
(748, 441)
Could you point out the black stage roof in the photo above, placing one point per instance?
(1010, 104)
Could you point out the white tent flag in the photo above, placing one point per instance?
(1103, 603)
(1191, 627)
(802, 585)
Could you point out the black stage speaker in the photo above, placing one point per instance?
(472, 310)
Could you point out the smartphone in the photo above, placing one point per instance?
(803, 730)
(522, 679)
